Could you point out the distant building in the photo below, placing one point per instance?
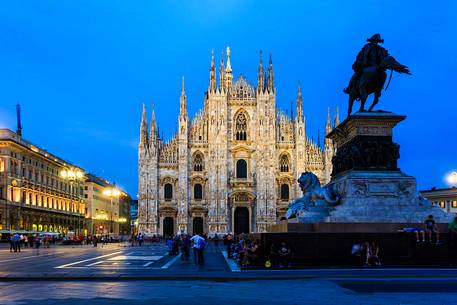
(125, 202)
(233, 168)
(38, 190)
(134, 214)
(446, 198)
(102, 201)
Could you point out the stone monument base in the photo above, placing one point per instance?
(370, 186)
(376, 196)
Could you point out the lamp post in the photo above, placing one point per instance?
(111, 192)
(13, 185)
(72, 176)
(452, 178)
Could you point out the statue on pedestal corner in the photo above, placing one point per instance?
(369, 76)
(315, 198)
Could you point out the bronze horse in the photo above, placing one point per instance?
(372, 81)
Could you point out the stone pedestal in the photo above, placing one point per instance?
(366, 176)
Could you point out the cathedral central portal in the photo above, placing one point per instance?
(233, 167)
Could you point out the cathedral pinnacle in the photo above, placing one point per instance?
(222, 73)
(183, 101)
(337, 117)
(260, 75)
(153, 128)
(229, 67)
(228, 72)
(328, 125)
(143, 128)
(299, 103)
(212, 74)
(270, 81)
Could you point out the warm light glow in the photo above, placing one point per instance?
(452, 178)
(63, 174)
(122, 219)
(111, 192)
(71, 174)
(79, 175)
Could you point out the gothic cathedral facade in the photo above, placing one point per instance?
(233, 168)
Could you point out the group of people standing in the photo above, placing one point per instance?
(17, 241)
(183, 243)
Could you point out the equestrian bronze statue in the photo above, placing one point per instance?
(369, 76)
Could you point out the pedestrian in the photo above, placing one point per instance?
(37, 242)
(198, 246)
(17, 242)
(140, 239)
(228, 244)
(11, 241)
(185, 247)
(431, 229)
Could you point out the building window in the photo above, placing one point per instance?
(284, 191)
(284, 164)
(454, 204)
(442, 204)
(198, 191)
(168, 191)
(241, 127)
(241, 169)
(2, 165)
(198, 163)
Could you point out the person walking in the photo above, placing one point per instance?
(37, 242)
(198, 246)
(140, 239)
(11, 241)
(17, 242)
(185, 247)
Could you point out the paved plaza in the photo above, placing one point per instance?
(120, 274)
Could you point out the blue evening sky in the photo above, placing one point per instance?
(82, 69)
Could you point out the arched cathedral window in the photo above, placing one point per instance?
(241, 126)
(198, 163)
(168, 191)
(241, 169)
(198, 191)
(284, 164)
(284, 191)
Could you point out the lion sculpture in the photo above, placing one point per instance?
(316, 200)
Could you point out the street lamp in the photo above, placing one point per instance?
(73, 175)
(452, 178)
(111, 192)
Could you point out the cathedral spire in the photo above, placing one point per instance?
(299, 103)
(260, 75)
(337, 117)
(144, 128)
(270, 81)
(183, 101)
(291, 110)
(153, 128)
(222, 72)
(212, 74)
(328, 125)
(228, 72)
